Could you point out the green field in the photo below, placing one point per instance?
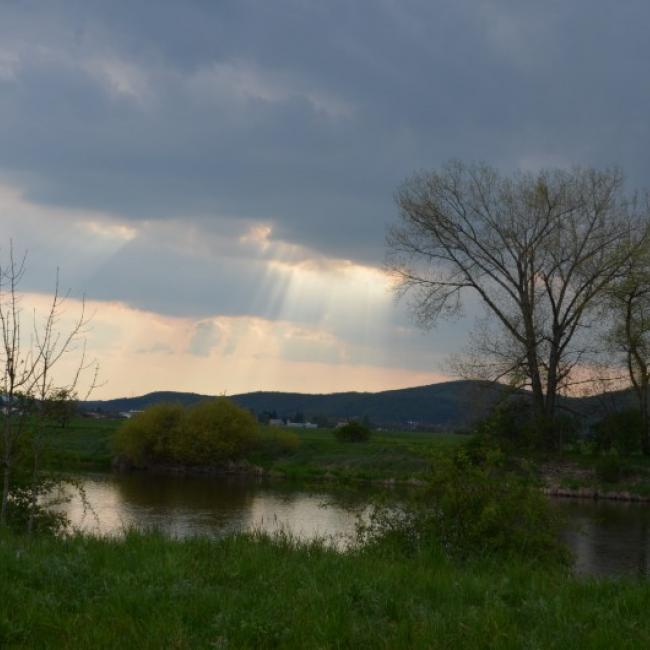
(81, 444)
(246, 592)
(86, 444)
(388, 455)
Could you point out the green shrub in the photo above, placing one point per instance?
(352, 432)
(512, 424)
(473, 507)
(506, 422)
(621, 431)
(214, 431)
(206, 434)
(148, 436)
(609, 468)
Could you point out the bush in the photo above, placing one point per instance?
(473, 507)
(621, 431)
(215, 431)
(352, 432)
(148, 436)
(209, 433)
(609, 468)
(512, 424)
(506, 422)
(28, 507)
(31, 494)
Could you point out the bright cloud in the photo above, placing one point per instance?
(141, 351)
(234, 310)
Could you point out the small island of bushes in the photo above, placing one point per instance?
(211, 434)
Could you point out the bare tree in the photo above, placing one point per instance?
(537, 249)
(27, 360)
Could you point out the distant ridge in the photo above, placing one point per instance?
(446, 405)
(452, 404)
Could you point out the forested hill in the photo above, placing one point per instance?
(445, 405)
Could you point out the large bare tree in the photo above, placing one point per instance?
(536, 248)
(30, 350)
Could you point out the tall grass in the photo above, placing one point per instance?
(146, 591)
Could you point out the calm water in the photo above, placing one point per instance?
(607, 538)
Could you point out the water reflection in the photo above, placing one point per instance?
(183, 506)
(607, 538)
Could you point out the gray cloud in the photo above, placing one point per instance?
(193, 122)
(305, 114)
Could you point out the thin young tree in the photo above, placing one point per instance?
(536, 249)
(28, 357)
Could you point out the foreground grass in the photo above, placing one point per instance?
(86, 444)
(147, 591)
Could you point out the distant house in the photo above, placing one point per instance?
(276, 422)
(302, 425)
(129, 414)
(94, 415)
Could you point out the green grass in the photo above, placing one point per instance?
(388, 455)
(86, 444)
(81, 444)
(245, 592)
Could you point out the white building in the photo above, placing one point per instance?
(302, 425)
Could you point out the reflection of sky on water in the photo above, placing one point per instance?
(307, 516)
(185, 506)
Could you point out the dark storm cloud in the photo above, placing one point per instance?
(304, 114)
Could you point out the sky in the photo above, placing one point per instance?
(217, 177)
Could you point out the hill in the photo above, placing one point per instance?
(447, 405)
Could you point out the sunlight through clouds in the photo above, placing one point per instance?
(141, 351)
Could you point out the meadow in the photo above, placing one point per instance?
(147, 591)
(251, 590)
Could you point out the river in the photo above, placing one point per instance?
(606, 538)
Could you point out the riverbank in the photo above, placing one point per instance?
(148, 591)
(388, 458)
(578, 476)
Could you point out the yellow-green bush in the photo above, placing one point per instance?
(206, 434)
(148, 435)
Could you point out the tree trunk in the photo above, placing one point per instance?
(645, 418)
(33, 494)
(6, 475)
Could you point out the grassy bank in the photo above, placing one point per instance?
(241, 592)
(582, 474)
(86, 444)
